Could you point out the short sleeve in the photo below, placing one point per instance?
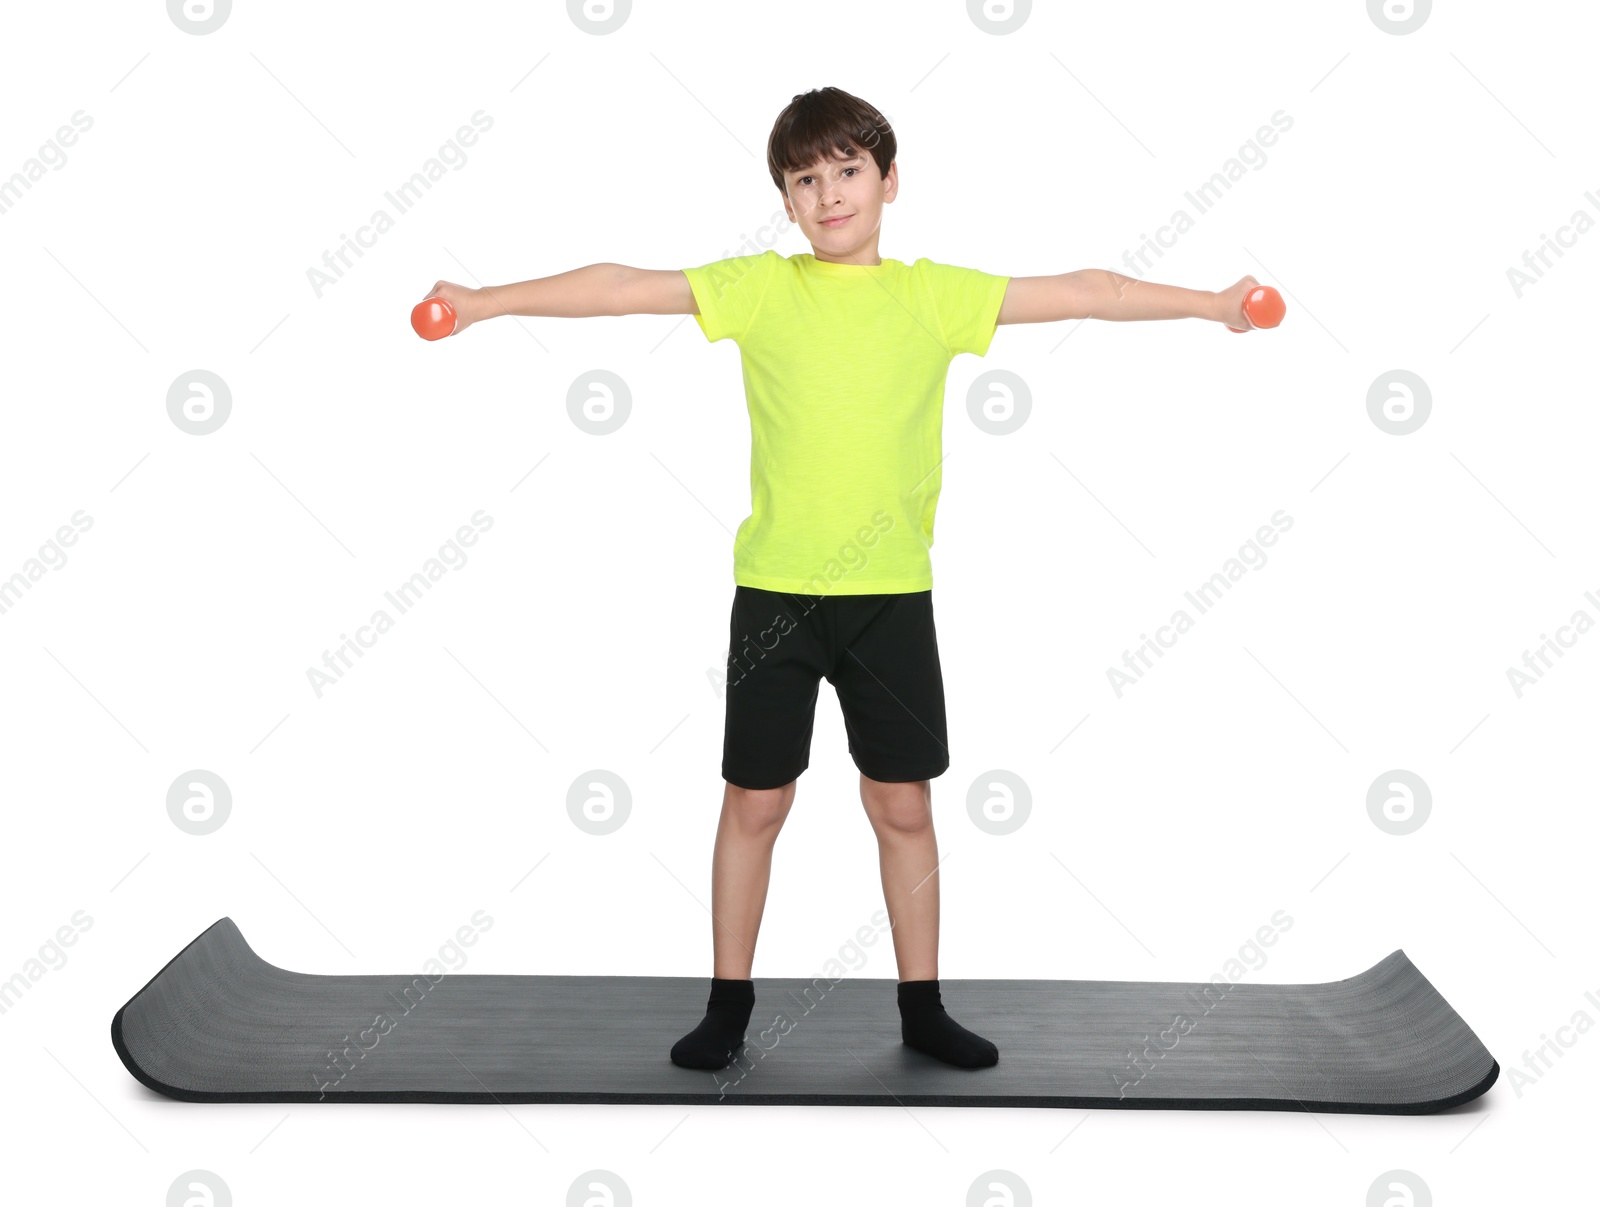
(967, 302)
(728, 293)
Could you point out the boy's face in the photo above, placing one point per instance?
(838, 204)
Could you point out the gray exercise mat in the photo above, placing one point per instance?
(219, 1024)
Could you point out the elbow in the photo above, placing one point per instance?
(1084, 294)
(612, 296)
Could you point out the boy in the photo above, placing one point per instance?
(844, 358)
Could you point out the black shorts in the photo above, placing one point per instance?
(881, 654)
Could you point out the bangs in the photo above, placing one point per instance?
(827, 124)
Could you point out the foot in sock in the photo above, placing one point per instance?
(926, 1027)
(720, 1034)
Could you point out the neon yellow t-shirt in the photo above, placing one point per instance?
(844, 373)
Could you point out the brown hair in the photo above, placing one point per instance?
(827, 122)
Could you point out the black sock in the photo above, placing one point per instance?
(927, 1028)
(712, 1044)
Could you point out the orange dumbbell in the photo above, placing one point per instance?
(433, 318)
(1263, 306)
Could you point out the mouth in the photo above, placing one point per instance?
(830, 223)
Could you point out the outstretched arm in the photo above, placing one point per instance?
(1099, 293)
(588, 292)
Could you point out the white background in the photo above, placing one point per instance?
(1229, 783)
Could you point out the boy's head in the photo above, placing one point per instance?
(832, 157)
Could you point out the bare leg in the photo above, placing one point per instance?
(908, 857)
(741, 866)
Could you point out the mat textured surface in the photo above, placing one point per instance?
(219, 1024)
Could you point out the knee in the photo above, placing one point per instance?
(756, 809)
(904, 808)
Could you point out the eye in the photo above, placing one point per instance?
(804, 179)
